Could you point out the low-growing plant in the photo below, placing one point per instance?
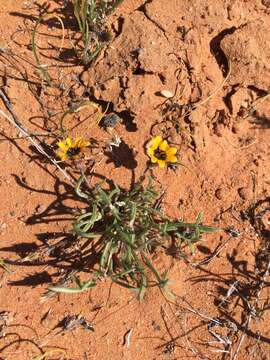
(42, 68)
(90, 15)
(126, 227)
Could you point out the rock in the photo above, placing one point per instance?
(111, 120)
(249, 52)
(3, 226)
(111, 90)
(166, 93)
(240, 99)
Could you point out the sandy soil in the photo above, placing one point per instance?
(214, 57)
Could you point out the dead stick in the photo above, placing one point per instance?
(17, 124)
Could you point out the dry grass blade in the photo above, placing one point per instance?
(78, 107)
(14, 121)
(51, 352)
(204, 101)
(252, 313)
(41, 67)
(255, 104)
(4, 266)
(90, 16)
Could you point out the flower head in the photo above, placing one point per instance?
(71, 149)
(160, 152)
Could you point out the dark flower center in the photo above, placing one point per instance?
(160, 155)
(73, 151)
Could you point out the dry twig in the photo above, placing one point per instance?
(13, 120)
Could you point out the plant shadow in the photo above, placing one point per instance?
(64, 10)
(238, 295)
(63, 251)
(260, 121)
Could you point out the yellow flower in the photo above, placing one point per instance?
(160, 152)
(70, 149)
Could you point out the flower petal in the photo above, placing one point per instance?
(63, 156)
(62, 145)
(154, 159)
(68, 141)
(171, 159)
(78, 141)
(163, 146)
(171, 151)
(85, 143)
(161, 163)
(155, 142)
(150, 151)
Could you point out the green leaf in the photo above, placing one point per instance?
(82, 287)
(151, 267)
(104, 197)
(199, 218)
(209, 229)
(78, 188)
(91, 235)
(133, 214)
(105, 255)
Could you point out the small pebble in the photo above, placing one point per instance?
(166, 94)
(3, 225)
(111, 120)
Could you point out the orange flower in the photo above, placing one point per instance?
(160, 152)
(70, 149)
